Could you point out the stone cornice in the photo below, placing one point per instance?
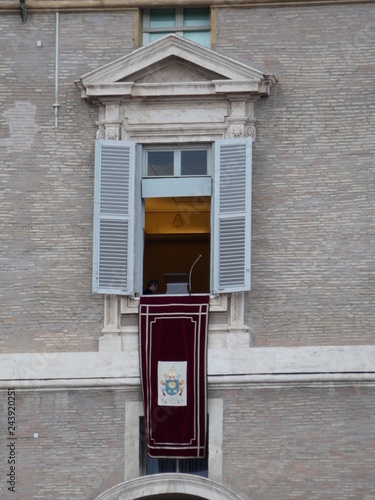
(226, 367)
(177, 47)
(136, 74)
(106, 5)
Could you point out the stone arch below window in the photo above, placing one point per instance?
(169, 487)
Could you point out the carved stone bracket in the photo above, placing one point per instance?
(100, 133)
(112, 132)
(241, 118)
(251, 131)
(110, 340)
(237, 131)
(108, 131)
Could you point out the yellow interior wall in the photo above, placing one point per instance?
(173, 248)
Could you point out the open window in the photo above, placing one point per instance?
(173, 92)
(177, 232)
(176, 191)
(158, 214)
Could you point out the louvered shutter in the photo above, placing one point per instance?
(232, 216)
(114, 217)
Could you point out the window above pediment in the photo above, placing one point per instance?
(191, 23)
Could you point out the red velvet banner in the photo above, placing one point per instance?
(173, 352)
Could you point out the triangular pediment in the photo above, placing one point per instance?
(171, 64)
(173, 69)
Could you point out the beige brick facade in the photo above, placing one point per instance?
(303, 441)
(300, 427)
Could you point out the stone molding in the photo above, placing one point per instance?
(177, 484)
(174, 90)
(226, 367)
(113, 5)
(201, 71)
(226, 327)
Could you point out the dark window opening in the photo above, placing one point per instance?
(196, 466)
(177, 232)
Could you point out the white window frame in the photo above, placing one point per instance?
(179, 185)
(178, 29)
(177, 157)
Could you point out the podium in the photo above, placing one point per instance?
(177, 283)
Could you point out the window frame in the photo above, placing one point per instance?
(215, 411)
(231, 206)
(177, 150)
(201, 463)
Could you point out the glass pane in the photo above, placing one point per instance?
(197, 466)
(160, 163)
(156, 36)
(159, 465)
(196, 17)
(194, 162)
(161, 18)
(201, 37)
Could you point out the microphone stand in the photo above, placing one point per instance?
(191, 269)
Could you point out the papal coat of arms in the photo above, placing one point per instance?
(172, 383)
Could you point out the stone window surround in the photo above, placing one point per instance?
(226, 326)
(177, 485)
(174, 91)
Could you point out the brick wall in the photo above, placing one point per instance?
(285, 442)
(47, 176)
(300, 442)
(313, 205)
(80, 449)
(313, 176)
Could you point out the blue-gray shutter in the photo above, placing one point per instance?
(114, 218)
(232, 216)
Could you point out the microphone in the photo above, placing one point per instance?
(191, 269)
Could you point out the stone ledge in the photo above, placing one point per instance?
(224, 366)
(108, 5)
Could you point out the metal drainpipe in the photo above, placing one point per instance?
(57, 69)
(23, 10)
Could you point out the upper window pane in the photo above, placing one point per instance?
(172, 161)
(194, 162)
(159, 163)
(196, 17)
(162, 18)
